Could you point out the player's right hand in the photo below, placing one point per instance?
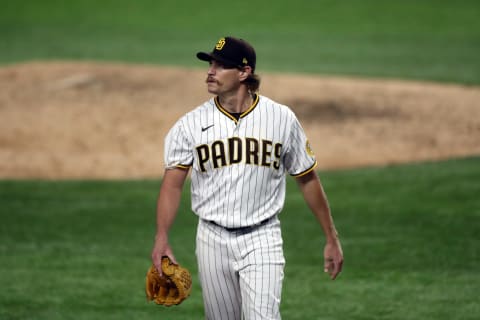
(161, 249)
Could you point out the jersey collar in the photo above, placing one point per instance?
(243, 114)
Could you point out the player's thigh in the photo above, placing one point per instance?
(220, 283)
(261, 287)
(262, 274)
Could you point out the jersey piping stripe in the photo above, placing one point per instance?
(183, 166)
(225, 112)
(306, 171)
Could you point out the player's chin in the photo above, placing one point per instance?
(212, 88)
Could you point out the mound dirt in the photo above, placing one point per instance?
(63, 120)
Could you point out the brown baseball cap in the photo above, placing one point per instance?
(232, 52)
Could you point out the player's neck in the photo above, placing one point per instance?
(236, 103)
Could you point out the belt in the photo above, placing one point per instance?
(245, 229)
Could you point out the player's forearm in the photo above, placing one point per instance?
(169, 200)
(167, 207)
(316, 200)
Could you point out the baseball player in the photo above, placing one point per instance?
(239, 146)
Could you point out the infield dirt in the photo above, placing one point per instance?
(63, 120)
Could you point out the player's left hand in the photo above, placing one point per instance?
(333, 256)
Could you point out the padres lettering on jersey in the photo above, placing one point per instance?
(239, 165)
(233, 150)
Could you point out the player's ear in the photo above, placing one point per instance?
(245, 72)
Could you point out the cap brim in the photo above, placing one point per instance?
(212, 56)
(204, 56)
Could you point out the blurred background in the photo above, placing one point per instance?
(435, 40)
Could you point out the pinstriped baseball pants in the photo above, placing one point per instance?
(241, 274)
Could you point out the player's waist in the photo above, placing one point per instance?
(245, 229)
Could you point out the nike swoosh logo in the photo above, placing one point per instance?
(203, 129)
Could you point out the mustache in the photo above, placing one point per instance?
(210, 79)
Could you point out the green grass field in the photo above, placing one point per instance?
(80, 249)
(431, 39)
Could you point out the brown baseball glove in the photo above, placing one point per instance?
(172, 287)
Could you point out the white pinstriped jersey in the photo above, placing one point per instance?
(239, 166)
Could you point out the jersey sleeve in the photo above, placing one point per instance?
(299, 156)
(177, 150)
